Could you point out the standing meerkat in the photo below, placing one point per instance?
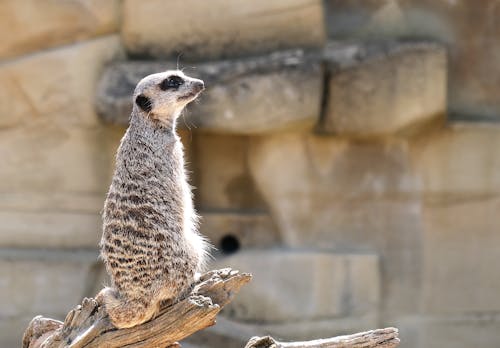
(150, 243)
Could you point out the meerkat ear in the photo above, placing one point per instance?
(143, 102)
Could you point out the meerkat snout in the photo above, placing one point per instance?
(195, 87)
(198, 85)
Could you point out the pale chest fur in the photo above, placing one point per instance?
(150, 176)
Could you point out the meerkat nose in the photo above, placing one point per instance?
(199, 86)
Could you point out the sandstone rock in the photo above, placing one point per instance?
(43, 158)
(459, 332)
(247, 96)
(334, 193)
(461, 245)
(57, 85)
(53, 185)
(459, 170)
(40, 282)
(453, 330)
(218, 336)
(31, 25)
(383, 88)
(324, 173)
(197, 30)
(12, 329)
(56, 201)
(221, 176)
(262, 104)
(297, 286)
(50, 229)
(463, 159)
(461, 25)
(231, 231)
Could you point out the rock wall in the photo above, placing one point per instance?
(470, 32)
(345, 152)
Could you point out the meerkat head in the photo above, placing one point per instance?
(162, 96)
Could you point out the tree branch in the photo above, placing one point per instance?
(88, 326)
(381, 338)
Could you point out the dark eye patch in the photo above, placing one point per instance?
(172, 82)
(144, 103)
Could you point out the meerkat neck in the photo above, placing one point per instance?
(153, 133)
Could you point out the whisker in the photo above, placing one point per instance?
(178, 60)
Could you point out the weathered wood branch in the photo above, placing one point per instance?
(381, 338)
(87, 326)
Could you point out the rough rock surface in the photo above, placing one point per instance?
(56, 156)
(232, 231)
(307, 285)
(244, 96)
(41, 281)
(196, 29)
(459, 161)
(374, 90)
(469, 32)
(56, 85)
(31, 25)
(220, 173)
(339, 193)
(459, 169)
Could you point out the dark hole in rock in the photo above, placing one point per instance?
(229, 244)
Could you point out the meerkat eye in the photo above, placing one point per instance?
(171, 82)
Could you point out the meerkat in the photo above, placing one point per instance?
(150, 244)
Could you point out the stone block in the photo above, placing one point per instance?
(280, 91)
(43, 158)
(461, 246)
(461, 160)
(219, 335)
(460, 332)
(53, 185)
(57, 86)
(475, 329)
(31, 25)
(40, 282)
(219, 28)
(233, 231)
(322, 173)
(459, 171)
(334, 193)
(53, 200)
(473, 86)
(262, 103)
(50, 229)
(221, 176)
(297, 286)
(12, 329)
(384, 89)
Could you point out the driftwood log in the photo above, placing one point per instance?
(87, 325)
(381, 338)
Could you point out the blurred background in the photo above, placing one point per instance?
(346, 152)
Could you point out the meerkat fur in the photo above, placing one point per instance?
(150, 243)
